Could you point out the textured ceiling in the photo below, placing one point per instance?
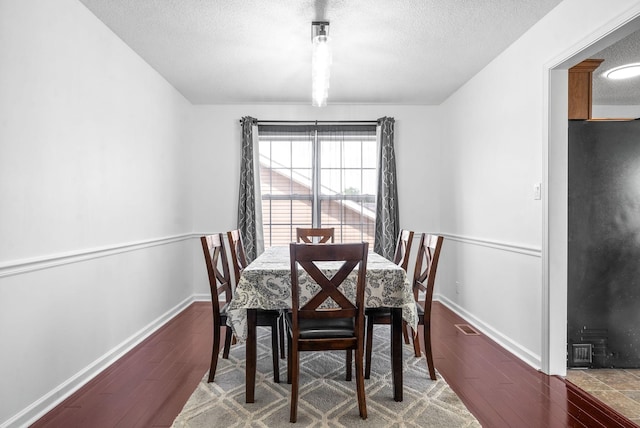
(258, 51)
(617, 92)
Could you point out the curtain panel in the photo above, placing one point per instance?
(387, 214)
(249, 201)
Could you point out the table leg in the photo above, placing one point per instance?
(396, 352)
(250, 375)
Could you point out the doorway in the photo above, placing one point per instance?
(555, 200)
(555, 213)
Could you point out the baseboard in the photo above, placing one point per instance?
(515, 348)
(47, 402)
(202, 297)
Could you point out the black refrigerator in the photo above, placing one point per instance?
(603, 317)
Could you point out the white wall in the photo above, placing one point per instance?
(216, 161)
(95, 218)
(493, 144)
(105, 170)
(615, 111)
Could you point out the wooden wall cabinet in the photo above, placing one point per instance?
(580, 87)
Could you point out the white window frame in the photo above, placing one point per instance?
(316, 196)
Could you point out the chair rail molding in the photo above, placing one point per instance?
(498, 245)
(17, 267)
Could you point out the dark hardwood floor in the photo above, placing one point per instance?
(502, 391)
(149, 385)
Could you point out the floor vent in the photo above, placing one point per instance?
(582, 353)
(467, 329)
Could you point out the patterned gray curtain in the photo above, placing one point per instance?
(249, 210)
(387, 217)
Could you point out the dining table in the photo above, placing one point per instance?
(266, 284)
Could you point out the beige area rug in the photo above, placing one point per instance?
(326, 399)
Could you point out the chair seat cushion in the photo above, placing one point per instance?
(381, 314)
(266, 316)
(330, 328)
(378, 312)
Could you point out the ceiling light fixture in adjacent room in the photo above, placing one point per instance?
(624, 71)
(320, 63)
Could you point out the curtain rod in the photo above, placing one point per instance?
(314, 122)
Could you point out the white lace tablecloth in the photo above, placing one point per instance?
(266, 284)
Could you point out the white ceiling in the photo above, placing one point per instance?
(617, 92)
(259, 51)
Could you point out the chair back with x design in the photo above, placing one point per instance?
(316, 327)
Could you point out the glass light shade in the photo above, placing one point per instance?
(320, 70)
(624, 71)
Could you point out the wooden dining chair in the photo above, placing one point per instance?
(313, 328)
(401, 258)
(403, 249)
(307, 235)
(424, 278)
(383, 315)
(215, 258)
(265, 317)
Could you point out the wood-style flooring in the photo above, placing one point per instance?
(148, 386)
(502, 391)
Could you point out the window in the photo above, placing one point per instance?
(318, 176)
